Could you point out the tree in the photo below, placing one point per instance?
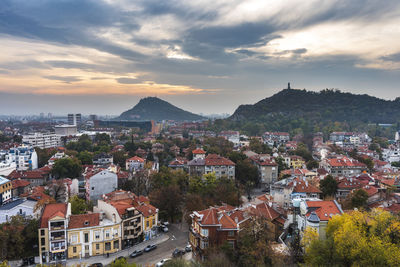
(102, 139)
(168, 200)
(119, 158)
(357, 239)
(359, 198)
(78, 205)
(85, 157)
(67, 167)
(281, 164)
(58, 191)
(44, 155)
(246, 172)
(312, 164)
(122, 263)
(328, 186)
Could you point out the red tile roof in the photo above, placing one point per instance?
(198, 151)
(371, 190)
(263, 161)
(19, 183)
(324, 209)
(136, 158)
(147, 210)
(344, 162)
(349, 183)
(84, 220)
(216, 160)
(304, 187)
(52, 210)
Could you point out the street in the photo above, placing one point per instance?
(178, 238)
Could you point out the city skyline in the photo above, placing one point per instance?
(101, 57)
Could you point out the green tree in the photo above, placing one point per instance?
(246, 172)
(119, 158)
(312, 164)
(67, 168)
(122, 263)
(78, 205)
(168, 200)
(44, 155)
(328, 186)
(102, 139)
(85, 157)
(359, 198)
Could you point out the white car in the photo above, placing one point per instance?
(164, 229)
(162, 262)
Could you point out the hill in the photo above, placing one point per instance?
(153, 108)
(312, 111)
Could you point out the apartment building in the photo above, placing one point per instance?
(5, 190)
(24, 157)
(42, 140)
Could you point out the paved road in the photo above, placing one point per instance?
(178, 239)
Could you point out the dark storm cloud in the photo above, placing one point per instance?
(124, 80)
(65, 79)
(392, 57)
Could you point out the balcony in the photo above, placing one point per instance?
(57, 238)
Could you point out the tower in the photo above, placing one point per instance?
(288, 86)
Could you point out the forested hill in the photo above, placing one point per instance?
(326, 105)
(153, 108)
(300, 111)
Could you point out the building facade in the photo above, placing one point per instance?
(5, 190)
(42, 140)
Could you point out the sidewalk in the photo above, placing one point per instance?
(104, 260)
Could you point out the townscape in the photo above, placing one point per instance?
(76, 192)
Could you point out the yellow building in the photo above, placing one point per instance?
(91, 235)
(5, 190)
(150, 219)
(296, 162)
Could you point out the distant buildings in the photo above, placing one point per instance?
(23, 157)
(99, 182)
(42, 140)
(65, 130)
(342, 166)
(201, 164)
(74, 119)
(275, 138)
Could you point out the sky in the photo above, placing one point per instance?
(205, 56)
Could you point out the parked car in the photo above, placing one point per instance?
(164, 229)
(178, 253)
(162, 262)
(165, 223)
(99, 264)
(150, 248)
(188, 248)
(136, 253)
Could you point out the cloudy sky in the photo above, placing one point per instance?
(209, 56)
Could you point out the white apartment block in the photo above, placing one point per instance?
(42, 140)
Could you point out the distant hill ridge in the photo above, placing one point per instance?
(315, 107)
(153, 108)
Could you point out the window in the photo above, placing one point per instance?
(74, 238)
(231, 243)
(108, 234)
(203, 244)
(42, 232)
(116, 244)
(86, 238)
(92, 188)
(97, 234)
(204, 232)
(154, 221)
(147, 223)
(108, 245)
(97, 246)
(231, 233)
(74, 249)
(42, 241)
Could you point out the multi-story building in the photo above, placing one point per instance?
(65, 130)
(20, 207)
(74, 119)
(99, 182)
(267, 169)
(103, 159)
(24, 157)
(150, 219)
(222, 167)
(42, 140)
(92, 234)
(53, 233)
(7, 167)
(5, 190)
(135, 164)
(342, 166)
(214, 227)
(278, 138)
(296, 162)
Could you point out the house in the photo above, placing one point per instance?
(102, 159)
(34, 177)
(342, 166)
(267, 169)
(53, 233)
(316, 214)
(91, 235)
(212, 227)
(222, 167)
(135, 164)
(296, 162)
(150, 219)
(178, 164)
(347, 185)
(19, 187)
(5, 190)
(275, 138)
(303, 189)
(24, 157)
(19, 207)
(99, 182)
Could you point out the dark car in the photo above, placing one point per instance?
(150, 248)
(188, 248)
(178, 253)
(96, 265)
(136, 253)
